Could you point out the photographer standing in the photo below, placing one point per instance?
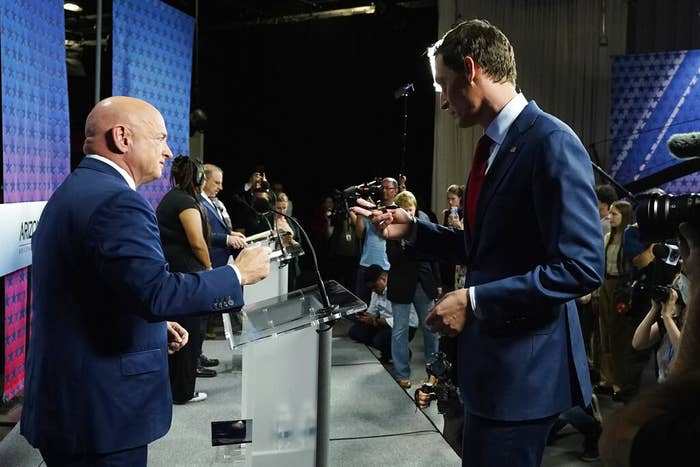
(373, 246)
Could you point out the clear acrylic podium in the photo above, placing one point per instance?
(286, 347)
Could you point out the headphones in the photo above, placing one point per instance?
(199, 172)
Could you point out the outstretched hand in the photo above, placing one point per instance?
(390, 223)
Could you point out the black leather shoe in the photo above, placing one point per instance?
(208, 362)
(205, 372)
(603, 390)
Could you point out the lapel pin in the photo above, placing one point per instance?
(513, 149)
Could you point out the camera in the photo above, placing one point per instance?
(661, 293)
(445, 392)
(659, 215)
(347, 197)
(667, 252)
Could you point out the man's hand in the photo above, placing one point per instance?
(177, 337)
(365, 318)
(253, 263)
(236, 240)
(449, 314)
(422, 399)
(390, 223)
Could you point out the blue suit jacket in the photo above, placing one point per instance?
(97, 369)
(219, 250)
(537, 245)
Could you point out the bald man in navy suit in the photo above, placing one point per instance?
(97, 389)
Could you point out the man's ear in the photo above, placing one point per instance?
(119, 139)
(470, 68)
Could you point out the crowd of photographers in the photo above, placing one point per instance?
(632, 325)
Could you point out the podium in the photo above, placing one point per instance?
(286, 346)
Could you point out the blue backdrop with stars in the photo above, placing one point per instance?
(35, 139)
(152, 60)
(654, 96)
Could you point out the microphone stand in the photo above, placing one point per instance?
(323, 397)
(620, 188)
(325, 301)
(327, 307)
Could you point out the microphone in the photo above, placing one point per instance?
(327, 307)
(666, 252)
(685, 145)
(404, 90)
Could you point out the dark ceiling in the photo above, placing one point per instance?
(218, 15)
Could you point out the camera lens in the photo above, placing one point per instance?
(659, 216)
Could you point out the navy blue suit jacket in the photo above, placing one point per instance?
(219, 251)
(97, 369)
(537, 245)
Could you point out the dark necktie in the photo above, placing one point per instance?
(476, 178)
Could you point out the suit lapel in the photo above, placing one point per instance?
(507, 154)
(208, 205)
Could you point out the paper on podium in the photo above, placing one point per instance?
(294, 310)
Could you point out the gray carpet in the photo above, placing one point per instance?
(373, 421)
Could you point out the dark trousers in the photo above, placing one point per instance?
(378, 337)
(134, 457)
(361, 290)
(496, 443)
(182, 365)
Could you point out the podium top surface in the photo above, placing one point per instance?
(293, 311)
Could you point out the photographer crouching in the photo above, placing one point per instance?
(442, 388)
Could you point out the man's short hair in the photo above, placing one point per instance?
(482, 41)
(373, 273)
(209, 169)
(606, 194)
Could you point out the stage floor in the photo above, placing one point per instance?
(373, 421)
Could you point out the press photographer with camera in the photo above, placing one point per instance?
(442, 387)
(661, 427)
(661, 327)
(373, 245)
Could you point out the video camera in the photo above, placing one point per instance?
(445, 391)
(347, 197)
(658, 214)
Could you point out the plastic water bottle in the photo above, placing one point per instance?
(453, 213)
(285, 428)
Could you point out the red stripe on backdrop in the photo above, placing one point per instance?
(15, 331)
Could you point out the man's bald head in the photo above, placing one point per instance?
(131, 133)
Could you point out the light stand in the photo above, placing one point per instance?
(403, 92)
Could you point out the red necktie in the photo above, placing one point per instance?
(476, 177)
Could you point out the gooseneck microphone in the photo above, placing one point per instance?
(327, 307)
(685, 145)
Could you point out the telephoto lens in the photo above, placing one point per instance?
(659, 216)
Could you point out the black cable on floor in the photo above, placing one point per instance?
(388, 435)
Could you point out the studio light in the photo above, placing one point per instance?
(74, 7)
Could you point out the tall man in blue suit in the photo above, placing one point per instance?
(97, 389)
(531, 247)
